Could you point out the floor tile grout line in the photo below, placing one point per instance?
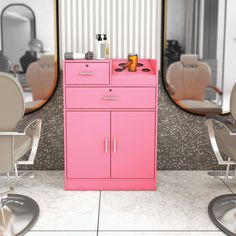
(159, 231)
(226, 185)
(99, 207)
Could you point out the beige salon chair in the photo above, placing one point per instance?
(40, 76)
(15, 143)
(223, 139)
(187, 81)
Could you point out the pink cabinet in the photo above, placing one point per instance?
(110, 130)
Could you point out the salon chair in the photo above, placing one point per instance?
(5, 63)
(40, 76)
(223, 139)
(222, 134)
(15, 142)
(187, 81)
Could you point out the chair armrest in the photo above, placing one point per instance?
(217, 90)
(35, 137)
(227, 124)
(27, 122)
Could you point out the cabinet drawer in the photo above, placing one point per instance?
(87, 73)
(110, 97)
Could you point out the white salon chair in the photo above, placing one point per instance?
(223, 139)
(15, 143)
(187, 81)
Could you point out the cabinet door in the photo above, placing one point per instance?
(133, 147)
(87, 139)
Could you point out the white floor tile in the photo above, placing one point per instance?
(59, 209)
(180, 203)
(161, 233)
(64, 233)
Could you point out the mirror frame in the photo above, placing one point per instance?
(163, 46)
(56, 46)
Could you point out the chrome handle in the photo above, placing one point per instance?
(87, 73)
(114, 145)
(109, 98)
(106, 145)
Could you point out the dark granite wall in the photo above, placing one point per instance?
(182, 137)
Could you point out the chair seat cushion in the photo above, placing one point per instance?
(22, 146)
(226, 142)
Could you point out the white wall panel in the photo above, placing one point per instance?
(131, 26)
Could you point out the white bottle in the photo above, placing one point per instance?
(100, 48)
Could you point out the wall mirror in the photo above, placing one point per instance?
(198, 54)
(29, 48)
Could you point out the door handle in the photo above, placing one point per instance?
(106, 145)
(87, 73)
(114, 145)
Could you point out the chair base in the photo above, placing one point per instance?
(20, 174)
(222, 174)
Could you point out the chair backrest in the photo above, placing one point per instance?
(233, 102)
(189, 78)
(41, 76)
(12, 106)
(5, 63)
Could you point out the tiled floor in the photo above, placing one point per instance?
(177, 208)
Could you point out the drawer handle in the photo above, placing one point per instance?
(87, 73)
(109, 98)
(106, 145)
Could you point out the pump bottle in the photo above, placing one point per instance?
(100, 47)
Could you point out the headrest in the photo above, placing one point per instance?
(46, 60)
(189, 60)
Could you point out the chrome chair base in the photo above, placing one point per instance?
(18, 214)
(222, 212)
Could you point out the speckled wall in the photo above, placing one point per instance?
(182, 137)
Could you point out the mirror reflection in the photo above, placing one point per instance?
(195, 74)
(28, 50)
